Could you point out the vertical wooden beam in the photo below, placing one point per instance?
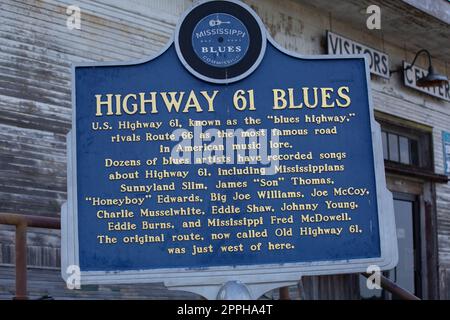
(21, 261)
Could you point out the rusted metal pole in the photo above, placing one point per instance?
(31, 221)
(21, 261)
(22, 222)
(393, 288)
(284, 293)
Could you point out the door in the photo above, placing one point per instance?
(407, 273)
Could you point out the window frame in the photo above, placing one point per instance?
(413, 132)
(412, 157)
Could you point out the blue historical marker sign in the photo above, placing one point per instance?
(225, 158)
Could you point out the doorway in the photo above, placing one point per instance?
(407, 274)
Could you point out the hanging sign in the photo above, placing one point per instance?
(378, 61)
(411, 76)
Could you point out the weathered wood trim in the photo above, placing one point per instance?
(401, 169)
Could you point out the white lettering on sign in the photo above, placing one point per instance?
(378, 61)
(411, 76)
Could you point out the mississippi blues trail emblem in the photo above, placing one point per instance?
(220, 42)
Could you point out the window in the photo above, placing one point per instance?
(399, 148)
(406, 143)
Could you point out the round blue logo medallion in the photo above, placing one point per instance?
(220, 40)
